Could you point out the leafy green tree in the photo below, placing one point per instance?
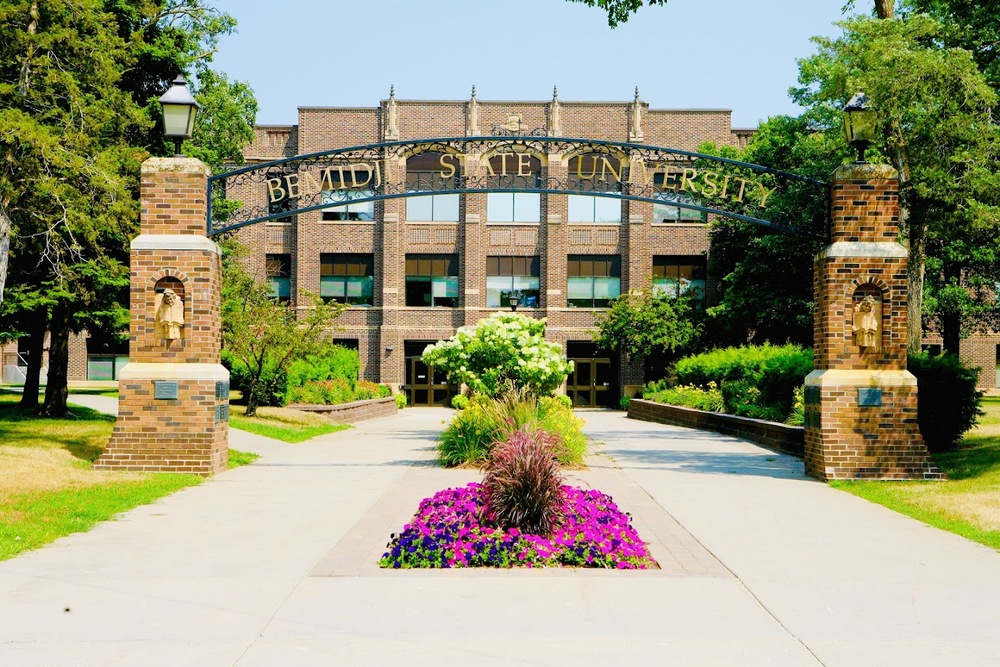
(503, 349)
(936, 127)
(263, 334)
(766, 275)
(619, 11)
(651, 326)
(78, 87)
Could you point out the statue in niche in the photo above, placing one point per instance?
(867, 323)
(169, 316)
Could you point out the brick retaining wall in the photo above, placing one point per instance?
(348, 413)
(780, 437)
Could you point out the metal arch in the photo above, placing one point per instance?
(369, 153)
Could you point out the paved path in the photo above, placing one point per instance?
(274, 564)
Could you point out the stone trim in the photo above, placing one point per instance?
(140, 371)
(174, 242)
(862, 249)
(860, 378)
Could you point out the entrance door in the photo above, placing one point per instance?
(424, 385)
(593, 380)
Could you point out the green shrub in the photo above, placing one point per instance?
(522, 482)
(333, 362)
(797, 417)
(772, 370)
(459, 401)
(559, 419)
(623, 402)
(400, 401)
(469, 437)
(273, 383)
(948, 401)
(709, 400)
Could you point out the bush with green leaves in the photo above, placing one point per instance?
(270, 387)
(772, 371)
(472, 433)
(522, 482)
(503, 349)
(333, 361)
(947, 398)
(709, 399)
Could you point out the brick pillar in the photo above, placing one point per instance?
(860, 401)
(173, 402)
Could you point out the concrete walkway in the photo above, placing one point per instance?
(274, 564)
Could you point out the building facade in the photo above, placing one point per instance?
(416, 268)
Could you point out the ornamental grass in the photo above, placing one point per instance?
(453, 529)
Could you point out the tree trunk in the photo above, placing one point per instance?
(884, 9)
(32, 374)
(56, 391)
(5, 227)
(916, 264)
(951, 318)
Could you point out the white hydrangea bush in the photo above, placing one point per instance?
(505, 347)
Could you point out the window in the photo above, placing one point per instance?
(347, 279)
(593, 281)
(279, 276)
(514, 172)
(432, 280)
(348, 184)
(679, 275)
(282, 205)
(508, 277)
(587, 208)
(347, 211)
(596, 172)
(426, 173)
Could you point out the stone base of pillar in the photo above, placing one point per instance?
(863, 425)
(171, 418)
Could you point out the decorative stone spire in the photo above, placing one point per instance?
(391, 111)
(555, 120)
(472, 116)
(635, 132)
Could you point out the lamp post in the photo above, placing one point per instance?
(514, 301)
(859, 124)
(179, 109)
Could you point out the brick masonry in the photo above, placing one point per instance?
(348, 413)
(174, 394)
(860, 401)
(382, 329)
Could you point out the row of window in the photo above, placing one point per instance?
(592, 281)
(521, 207)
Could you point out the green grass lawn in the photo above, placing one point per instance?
(283, 424)
(968, 502)
(48, 487)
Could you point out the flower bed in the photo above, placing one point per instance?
(448, 531)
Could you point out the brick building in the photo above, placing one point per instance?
(416, 268)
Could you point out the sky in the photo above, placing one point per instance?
(690, 54)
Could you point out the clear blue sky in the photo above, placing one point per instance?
(708, 54)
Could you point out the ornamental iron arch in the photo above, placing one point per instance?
(359, 174)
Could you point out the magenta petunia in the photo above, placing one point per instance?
(448, 531)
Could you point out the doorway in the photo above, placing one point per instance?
(594, 380)
(424, 386)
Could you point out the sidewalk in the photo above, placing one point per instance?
(274, 564)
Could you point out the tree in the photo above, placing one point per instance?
(78, 87)
(503, 349)
(936, 127)
(263, 334)
(766, 276)
(649, 325)
(619, 11)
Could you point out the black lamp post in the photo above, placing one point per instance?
(179, 109)
(514, 302)
(859, 124)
